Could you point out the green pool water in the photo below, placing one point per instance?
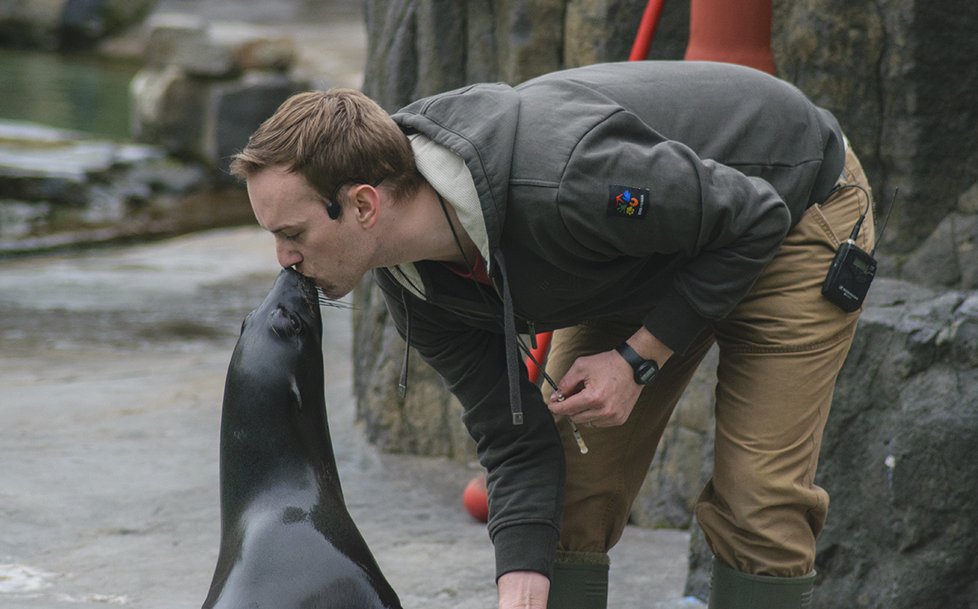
(77, 92)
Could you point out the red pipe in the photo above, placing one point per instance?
(732, 32)
(539, 354)
(646, 30)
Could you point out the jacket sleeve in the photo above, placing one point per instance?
(722, 226)
(525, 463)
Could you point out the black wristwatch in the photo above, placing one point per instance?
(645, 369)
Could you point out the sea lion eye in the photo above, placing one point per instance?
(293, 320)
(285, 323)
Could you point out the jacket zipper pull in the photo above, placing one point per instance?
(533, 334)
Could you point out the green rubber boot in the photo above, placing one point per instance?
(580, 581)
(731, 589)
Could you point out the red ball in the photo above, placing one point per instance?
(475, 498)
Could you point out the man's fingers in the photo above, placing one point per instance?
(569, 385)
(569, 406)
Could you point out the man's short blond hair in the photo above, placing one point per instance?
(332, 138)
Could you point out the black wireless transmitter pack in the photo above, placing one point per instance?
(853, 269)
(849, 277)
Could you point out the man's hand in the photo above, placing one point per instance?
(523, 590)
(600, 390)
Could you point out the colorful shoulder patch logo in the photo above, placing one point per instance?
(627, 202)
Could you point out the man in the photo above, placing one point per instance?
(643, 210)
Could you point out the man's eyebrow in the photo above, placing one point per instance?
(284, 227)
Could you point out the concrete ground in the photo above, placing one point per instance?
(112, 367)
(111, 377)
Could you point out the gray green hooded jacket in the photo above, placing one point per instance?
(648, 191)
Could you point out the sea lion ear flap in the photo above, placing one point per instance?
(294, 395)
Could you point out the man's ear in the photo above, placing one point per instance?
(366, 204)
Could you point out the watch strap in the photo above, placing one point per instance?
(630, 355)
(636, 361)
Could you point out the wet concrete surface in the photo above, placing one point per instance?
(112, 366)
(111, 378)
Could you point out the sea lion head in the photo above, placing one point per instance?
(275, 378)
(290, 311)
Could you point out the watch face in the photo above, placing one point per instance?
(645, 372)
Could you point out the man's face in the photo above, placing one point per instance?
(333, 253)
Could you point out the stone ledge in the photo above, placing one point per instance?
(59, 189)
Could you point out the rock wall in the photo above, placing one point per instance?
(202, 91)
(904, 100)
(419, 47)
(900, 457)
(897, 459)
(204, 86)
(896, 73)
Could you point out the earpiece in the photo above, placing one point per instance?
(333, 209)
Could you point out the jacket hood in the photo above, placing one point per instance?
(479, 142)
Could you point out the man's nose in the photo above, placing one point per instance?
(286, 253)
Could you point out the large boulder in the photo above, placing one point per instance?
(206, 87)
(897, 459)
(31, 23)
(66, 24)
(896, 74)
(948, 257)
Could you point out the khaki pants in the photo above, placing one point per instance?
(780, 353)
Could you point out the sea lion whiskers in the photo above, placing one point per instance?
(326, 301)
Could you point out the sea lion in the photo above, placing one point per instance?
(287, 539)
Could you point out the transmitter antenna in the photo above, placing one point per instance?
(886, 220)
